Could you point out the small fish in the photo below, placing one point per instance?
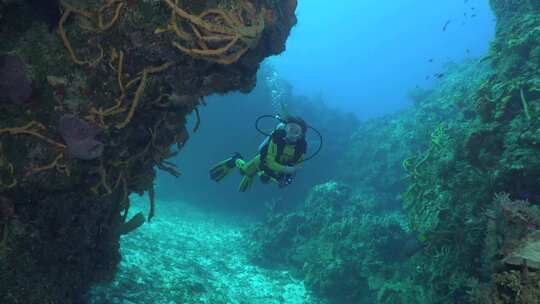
(430, 60)
(427, 77)
(439, 75)
(446, 25)
(467, 51)
(473, 15)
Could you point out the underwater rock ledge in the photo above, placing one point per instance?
(113, 69)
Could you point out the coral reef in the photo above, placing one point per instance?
(88, 112)
(343, 248)
(493, 150)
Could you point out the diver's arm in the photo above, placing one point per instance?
(290, 170)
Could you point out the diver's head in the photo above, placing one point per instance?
(295, 129)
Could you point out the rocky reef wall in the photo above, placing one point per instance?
(93, 98)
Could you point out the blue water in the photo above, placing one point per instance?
(364, 56)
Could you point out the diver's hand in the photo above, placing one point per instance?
(290, 170)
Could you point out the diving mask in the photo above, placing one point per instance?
(293, 132)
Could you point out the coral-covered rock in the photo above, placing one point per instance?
(337, 243)
(514, 287)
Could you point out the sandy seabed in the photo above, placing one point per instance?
(189, 256)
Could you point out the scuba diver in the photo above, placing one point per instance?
(279, 157)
